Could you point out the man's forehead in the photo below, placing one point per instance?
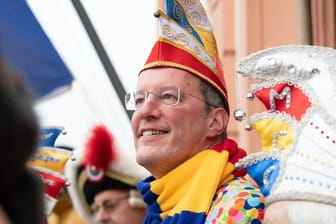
(113, 192)
(166, 76)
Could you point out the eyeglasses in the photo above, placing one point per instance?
(108, 206)
(167, 95)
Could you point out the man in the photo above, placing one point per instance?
(296, 168)
(103, 183)
(179, 127)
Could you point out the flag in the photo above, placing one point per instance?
(25, 47)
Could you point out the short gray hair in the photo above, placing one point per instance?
(213, 99)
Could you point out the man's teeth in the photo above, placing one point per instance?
(152, 132)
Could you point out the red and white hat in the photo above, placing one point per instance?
(102, 167)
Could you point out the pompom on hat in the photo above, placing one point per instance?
(297, 85)
(186, 42)
(102, 167)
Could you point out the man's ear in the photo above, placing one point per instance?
(218, 121)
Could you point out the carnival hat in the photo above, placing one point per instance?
(186, 42)
(297, 85)
(102, 167)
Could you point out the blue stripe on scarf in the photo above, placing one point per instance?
(153, 208)
(185, 217)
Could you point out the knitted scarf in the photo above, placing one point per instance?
(184, 195)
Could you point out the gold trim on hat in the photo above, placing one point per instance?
(156, 64)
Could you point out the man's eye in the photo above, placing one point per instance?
(110, 207)
(139, 100)
(168, 97)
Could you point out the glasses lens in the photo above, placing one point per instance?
(164, 96)
(129, 102)
(169, 95)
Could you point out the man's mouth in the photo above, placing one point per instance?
(153, 132)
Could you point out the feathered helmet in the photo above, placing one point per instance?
(102, 167)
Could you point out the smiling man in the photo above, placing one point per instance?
(179, 125)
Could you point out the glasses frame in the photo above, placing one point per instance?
(132, 107)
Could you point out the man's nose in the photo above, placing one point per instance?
(102, 215)
(150, 105)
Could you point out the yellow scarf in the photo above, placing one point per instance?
(191, 186)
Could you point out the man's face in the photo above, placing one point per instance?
(167, 135)
(112, 206)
